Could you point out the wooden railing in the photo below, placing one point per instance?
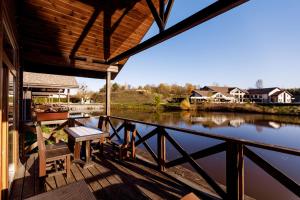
(236, 151)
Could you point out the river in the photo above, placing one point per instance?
(271, 129)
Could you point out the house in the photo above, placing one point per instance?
(47, 86)
(218, 94)
(282, 96)
(269, 95)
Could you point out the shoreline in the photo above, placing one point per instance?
(247, 108)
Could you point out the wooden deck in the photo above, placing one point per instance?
(108, 179)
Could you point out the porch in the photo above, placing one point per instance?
(95, 39)
(107, 179)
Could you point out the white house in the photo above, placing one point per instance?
(269, 95)
(282, 97)
(218, 94)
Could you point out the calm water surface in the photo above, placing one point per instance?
(279, 130)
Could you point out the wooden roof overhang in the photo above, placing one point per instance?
(90, 37)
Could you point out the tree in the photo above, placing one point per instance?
(163, 88)
(189, 88)
(83, 92)
(115, 87)
(103, 89)
(259, 84)
(157, 100)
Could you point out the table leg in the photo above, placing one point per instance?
(77, 148)
(88, 162)
(102, 140)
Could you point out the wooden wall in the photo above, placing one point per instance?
(8, 29)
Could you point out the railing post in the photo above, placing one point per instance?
(161, 149)
(235, 171)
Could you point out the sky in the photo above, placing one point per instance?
(257, 40)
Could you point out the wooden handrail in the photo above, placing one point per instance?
(261, 145)
(236, 150)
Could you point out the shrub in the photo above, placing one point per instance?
(185, 104)
(157, 100)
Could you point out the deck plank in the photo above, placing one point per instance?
(77, 174)
(126, 184)
(50, 183)
(108, 179)
(17, 186)
(115, 185)
(137, 182)
(71, 178)
(60, 180)
(87, 176)
(39, 183)
(29, 180)
(95, 184)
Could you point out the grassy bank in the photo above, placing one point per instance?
(149, 102)
(249, 108)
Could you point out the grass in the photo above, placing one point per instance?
(249, 108)
(146, 101)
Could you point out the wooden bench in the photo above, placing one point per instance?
(126, 144)
(54, 157)
(75, 191)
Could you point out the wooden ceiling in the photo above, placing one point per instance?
(77, 37)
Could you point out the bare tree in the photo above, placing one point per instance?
(259, 84)
(82, 92)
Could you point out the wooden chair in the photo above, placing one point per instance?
(126, 144)
(102, 125)
(52, 157)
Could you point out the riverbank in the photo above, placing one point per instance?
(153, 102)
(214, 107)
(249, 108)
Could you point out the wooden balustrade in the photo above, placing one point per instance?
(236, 150)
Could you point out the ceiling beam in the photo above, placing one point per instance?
(200, 17)
(156, 16)
(168, 10)
(58, 70)
(162, 10)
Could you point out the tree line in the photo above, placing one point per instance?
(162, 89)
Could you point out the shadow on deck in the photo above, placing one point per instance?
(107, 179)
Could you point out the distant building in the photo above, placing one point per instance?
(45, 85)
(269, 95)
(218, 94)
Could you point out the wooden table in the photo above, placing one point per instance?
(75, 191)
(84, 134)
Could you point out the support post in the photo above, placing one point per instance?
(161, 149)
(235, 171)
(108, 92)
(58, 96)
(68, 97)
(68, 101)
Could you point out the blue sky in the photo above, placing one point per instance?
(258, 40)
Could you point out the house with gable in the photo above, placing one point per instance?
(269, 95)
(218, 94)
